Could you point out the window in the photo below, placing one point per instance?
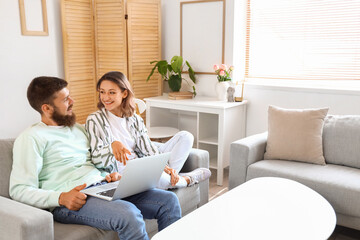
(303, 39)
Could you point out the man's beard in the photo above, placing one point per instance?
(63, 120)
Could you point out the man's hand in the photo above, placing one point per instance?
(113, 177)
(174, 176)
(120, 152)
(74, 199)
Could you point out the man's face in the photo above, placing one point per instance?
(62, 105)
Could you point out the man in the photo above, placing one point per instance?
(51, 164)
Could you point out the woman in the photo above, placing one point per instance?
(117, 135)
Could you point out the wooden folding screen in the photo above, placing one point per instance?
(97, 38)
(79, 55)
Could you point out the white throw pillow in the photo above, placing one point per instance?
(295, 134)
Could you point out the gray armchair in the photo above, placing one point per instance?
(19, 221)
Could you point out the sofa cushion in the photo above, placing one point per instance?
(341, 140)
(189, 198)
(337, 184)
(6, 146)
(76, 231)
(295, 134)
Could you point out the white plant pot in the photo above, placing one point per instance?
(221, 90)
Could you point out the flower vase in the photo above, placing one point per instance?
(221, 90)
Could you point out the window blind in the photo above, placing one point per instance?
(303, 39)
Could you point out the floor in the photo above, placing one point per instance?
(340, 233)
(214, 189)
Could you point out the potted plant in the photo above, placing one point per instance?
(223, 73)
(171, 72)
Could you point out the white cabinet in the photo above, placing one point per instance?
(213, 123)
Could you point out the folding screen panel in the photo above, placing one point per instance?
(110, 36)
(144, 45)
(79, 55)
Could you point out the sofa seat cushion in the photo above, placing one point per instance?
(340, 185)
(75, 231)
(189, 198)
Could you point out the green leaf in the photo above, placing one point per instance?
(175, 83)
(162, 67)
(191, 72)
(194, 91)
(169, 68)
(176, 64)
(151, 73)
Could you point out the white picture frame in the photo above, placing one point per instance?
(202, 34)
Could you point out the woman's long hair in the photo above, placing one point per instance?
(127, 107)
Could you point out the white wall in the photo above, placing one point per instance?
(21, 59)
(260, 97)
(205, 85)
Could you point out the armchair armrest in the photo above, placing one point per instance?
(243, 153)
(23, 222)
(199, 158)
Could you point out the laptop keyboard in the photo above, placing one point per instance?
(108, 193)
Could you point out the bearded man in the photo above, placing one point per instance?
(51, 165)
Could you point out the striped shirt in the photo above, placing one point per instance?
(101, 137)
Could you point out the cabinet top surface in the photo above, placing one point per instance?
(199, 101)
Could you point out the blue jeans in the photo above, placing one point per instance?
(125, 216)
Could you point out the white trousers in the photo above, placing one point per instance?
(179, 146)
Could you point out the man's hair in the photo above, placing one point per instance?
(127, 106)
(42, 90)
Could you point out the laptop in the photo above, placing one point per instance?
(140, 174)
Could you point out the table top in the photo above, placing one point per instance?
(199, 101)
(262, 208)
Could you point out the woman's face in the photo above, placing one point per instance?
(111, 96)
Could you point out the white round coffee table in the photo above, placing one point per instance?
(262, 208)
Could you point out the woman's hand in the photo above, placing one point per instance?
(174, 176)
(120, 152)
(113, 177)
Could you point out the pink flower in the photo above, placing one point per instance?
(216, 67)
(223, 67)
(222, 73)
